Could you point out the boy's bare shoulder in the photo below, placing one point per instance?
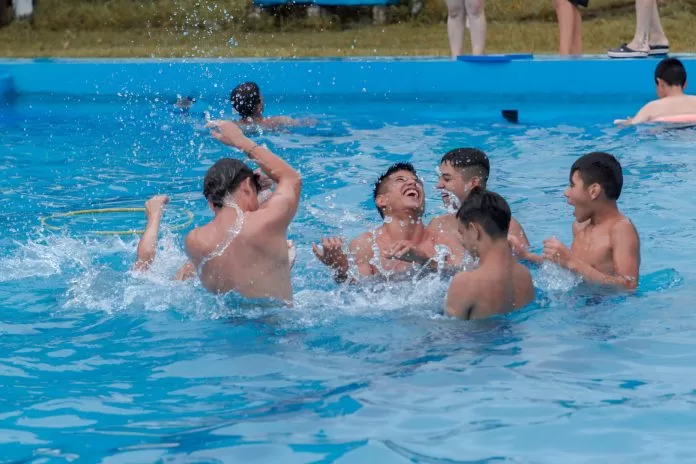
(623, 226)
(443, 222)
(200, 241)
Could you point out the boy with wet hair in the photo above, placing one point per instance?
(398, 195)
(248, 103)
(244, 248)
(670, 82)
(500, 284)
(606, 247)
(462, 170)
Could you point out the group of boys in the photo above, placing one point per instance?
(244, 248)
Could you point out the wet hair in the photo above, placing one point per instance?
(473, 160)
(396, 167)
(246, 99)
(489, 210)
(600, 168)
(224, 177)
(671, 71)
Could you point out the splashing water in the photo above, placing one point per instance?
(103, 364)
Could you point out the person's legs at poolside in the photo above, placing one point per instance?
(648, 32)
(565, 16)
(657, 33)
(477, 25)
(456, 15)
(576, 48)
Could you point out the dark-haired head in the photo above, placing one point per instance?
(471, 159)
(488, 210)
(601, 169)
(396, 174)
(461, 170)
(246, 100)
(225, 177)
(672, 72)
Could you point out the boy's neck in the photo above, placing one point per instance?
(494, 249)
(674, 91)
(606, 212)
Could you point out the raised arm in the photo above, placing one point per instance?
(281, 207)
(147, 246)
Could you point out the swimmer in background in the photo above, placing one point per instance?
(670, 80)
(500, 284)
(244, 248)
(400, 200)
(184, 103)
(606, 247)
(461, 170)
(248, 103)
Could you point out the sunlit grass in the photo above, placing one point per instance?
(123, 28)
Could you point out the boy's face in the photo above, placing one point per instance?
(581, 197)
(402, 191)
(452, 181)
(469, 237)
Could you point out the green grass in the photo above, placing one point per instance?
(130, 28)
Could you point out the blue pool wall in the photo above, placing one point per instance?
(6, 86)
(586, 78)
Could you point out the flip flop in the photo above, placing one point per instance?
(624, 51)
(656, 50)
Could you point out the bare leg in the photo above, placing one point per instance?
(644, 11)
(565, 13)
(657, 34)
(455, 25)
(477, 26)
(147, 247)
(576, 48)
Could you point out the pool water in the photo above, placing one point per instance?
(101, 365)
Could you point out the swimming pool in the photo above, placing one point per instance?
(99, 365)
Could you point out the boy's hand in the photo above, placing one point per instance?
(555, 251)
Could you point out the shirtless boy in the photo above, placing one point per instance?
(248, 103)
(606, 247)
(244, 248)
(398, 195)
(462, 170)
(670, 79)
(500, 284)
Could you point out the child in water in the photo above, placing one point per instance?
(248, 103)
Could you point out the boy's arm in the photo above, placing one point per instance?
(187, 271)
(331, 254)
(281, 207)
(645, 114)
(625, 246)
(517, 231)
(522, 252)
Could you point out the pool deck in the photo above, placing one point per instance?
(541, 75)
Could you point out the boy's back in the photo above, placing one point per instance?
(500, 284)
(670, 82)
(496, 288)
